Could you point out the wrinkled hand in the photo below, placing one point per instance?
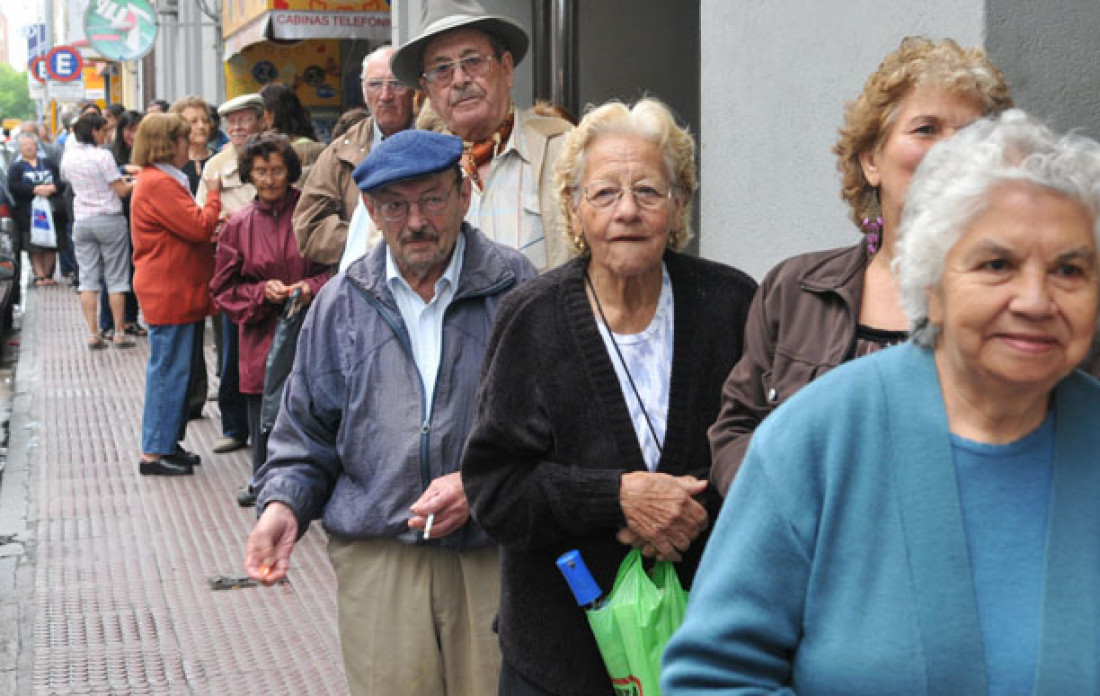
(213, 184)
(662, 517)
(446, 499)
(276, 291)
(267, 553)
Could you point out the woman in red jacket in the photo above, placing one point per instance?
(173, 264)
(258, 266)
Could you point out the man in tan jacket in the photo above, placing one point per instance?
(330, 195)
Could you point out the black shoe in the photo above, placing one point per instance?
(165, 466)
(183, 455)
(194, 414)
(246, 497)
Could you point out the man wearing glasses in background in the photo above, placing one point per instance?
(329, 195)
(465, 60)
(374, 418)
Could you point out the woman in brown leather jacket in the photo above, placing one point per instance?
(817, 310)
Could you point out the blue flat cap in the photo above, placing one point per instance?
(407, 155)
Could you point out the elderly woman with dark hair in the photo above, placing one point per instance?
(601, 378)
(174, 261)
(949, 545)
(818, 310)
(258, 267)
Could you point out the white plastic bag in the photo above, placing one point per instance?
(43, 231)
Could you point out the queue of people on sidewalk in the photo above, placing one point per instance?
(876, 472)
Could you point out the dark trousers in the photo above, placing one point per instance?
(230, 400)
(512, 683)
(259, 437)
(65, 254)
(196, 390)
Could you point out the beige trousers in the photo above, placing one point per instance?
(416, 620)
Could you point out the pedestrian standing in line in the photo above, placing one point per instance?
(601, 379)
(256, 269)
(34, 174)
(329, 195)
(374, 417)
(100, 232)
(121, 147)
(174, 262)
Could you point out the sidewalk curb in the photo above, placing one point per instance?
(17, 558)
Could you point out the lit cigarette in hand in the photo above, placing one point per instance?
(428, 527)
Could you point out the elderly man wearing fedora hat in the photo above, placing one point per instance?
(465, 60)
(374, 418)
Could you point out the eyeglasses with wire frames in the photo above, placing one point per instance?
(428, 204)
(474, 65)
(604, 195)
(379, 85)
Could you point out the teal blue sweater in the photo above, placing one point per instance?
(839, 562)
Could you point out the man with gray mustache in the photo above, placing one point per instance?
(465, 60)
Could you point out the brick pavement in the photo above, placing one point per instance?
(106, 584)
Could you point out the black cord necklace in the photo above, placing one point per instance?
(622, 361)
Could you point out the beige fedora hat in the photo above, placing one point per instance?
(439, 16)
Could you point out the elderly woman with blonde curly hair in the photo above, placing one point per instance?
(950, 544)
(601, 378)
(818, 310)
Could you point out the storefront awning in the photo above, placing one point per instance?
(290, 25)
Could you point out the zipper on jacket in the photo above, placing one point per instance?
(406, 343)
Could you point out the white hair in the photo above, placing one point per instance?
(952, 186)
(363, 67)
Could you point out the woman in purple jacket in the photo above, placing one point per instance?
(257, 268)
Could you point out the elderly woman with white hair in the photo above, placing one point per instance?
(925, 520)
(601, 379)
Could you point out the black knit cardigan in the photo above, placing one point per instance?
(553, 436)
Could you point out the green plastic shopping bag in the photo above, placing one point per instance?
(634, 621)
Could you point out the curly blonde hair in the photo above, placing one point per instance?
(967, 72)
(648, 118)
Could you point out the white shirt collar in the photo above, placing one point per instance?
(174, 173)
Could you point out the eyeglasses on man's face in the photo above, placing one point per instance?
(377, 86)
(429, 204)
(474, 65)
(602, 194)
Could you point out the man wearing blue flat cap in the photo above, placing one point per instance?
(373, 421)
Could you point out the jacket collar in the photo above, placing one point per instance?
(281, 206)
(836, 270)
(484, 269)
(354, 145)
(935, 538)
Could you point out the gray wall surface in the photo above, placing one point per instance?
(1048, 52)
(775, 79)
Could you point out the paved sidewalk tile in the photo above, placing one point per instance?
(121, 602)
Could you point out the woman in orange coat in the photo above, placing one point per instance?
(173, 265)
